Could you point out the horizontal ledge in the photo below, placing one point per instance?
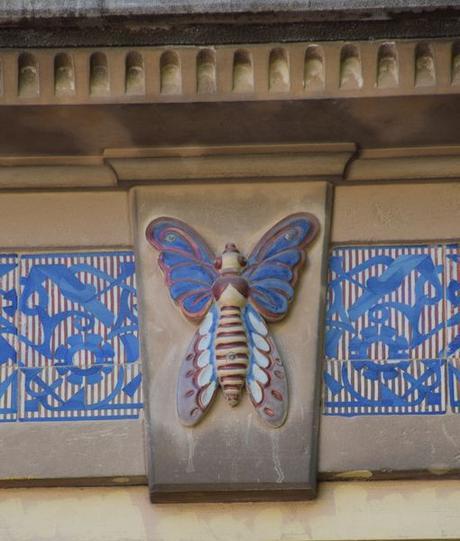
(239, 162)
(120, 480)
(333, 161)
(55, 176)
(224, 150)
(424, 163)
(261, 492)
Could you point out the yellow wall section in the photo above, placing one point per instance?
(359, 510)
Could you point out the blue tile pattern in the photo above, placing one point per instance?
(8, 392)
(8, 337)
(392, 342)
(78, 309)
(69, 393)
(454, 384)
(453, 300)
(385, 303)
(8, 308)
(384, 387)
(69, 337)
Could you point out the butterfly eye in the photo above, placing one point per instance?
(242, 260)
(218, 263)
(290, 235)
(170, 237)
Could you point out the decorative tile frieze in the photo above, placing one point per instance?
(70, 393)
(385, 302)
(384, 387)
(78, 309)
(68, 337)
(230, 73)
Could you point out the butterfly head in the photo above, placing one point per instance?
(231, 259)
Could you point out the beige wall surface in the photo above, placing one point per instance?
(372, 510)
(64, 220)
(396, 213)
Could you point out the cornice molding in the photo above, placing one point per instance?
(340, 163)
(297, 71)
(414, 163)
(250, 162)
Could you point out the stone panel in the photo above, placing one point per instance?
(231, 454)
(408, 213)
(67, 220)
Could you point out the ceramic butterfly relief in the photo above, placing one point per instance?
(233, 299)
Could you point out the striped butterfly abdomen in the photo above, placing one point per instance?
(232, 353)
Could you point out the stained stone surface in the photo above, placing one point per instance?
(231, 454)
(99, 8)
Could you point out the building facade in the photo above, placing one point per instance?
(321, 132)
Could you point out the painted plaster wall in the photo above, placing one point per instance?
(361, 510)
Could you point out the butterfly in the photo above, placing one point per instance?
(232, 298)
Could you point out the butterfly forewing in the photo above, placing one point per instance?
(187, 263)
(273, 265)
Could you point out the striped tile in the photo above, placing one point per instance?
(384, 388)
(453, 379)
(8, 308)
(385, 302)
(8, 392)
(78, 309)
(452, 271)
(76, 394)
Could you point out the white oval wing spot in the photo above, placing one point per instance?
(205, 375)
(260, 342)
(258, 325)
(261, 359)
(204, 342)
(203, 359)
(256, 391)
(207, 394)
(260, 375)
(206, 323)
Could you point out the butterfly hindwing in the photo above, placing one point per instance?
(187, 263)
(197, 383)
(273, 266)
(266, 381)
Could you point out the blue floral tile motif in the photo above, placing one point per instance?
(384, 388)
(69, 393)
(453, 300)
(8, 392)
(78, 310)
(385, 302)
(8, 308)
